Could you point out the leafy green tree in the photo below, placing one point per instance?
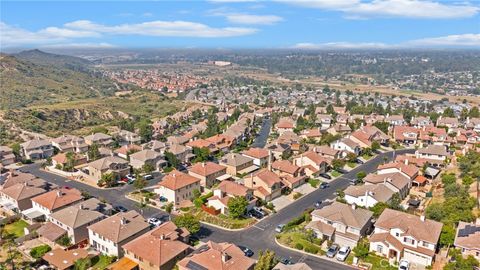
(169, 208)
(172, 159)
(338, 164)
(70, 163)
(145, 130)
(447, 236)
(93, 152)
(126, 124)
(237, 206)
(64, 241)
(201, 154)
(266, 260)
(378, 208)
(383, 126)
(375, 146)
(196, 194)
(188, 221)
(362, 249)
(448, 178)
(139, 182)
(461, 263)
(82, 264)
(107, 180)
(148, 168)
(16, 149)
(361, 175)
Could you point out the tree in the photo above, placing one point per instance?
(93, 152)
(196, 194)
(107, 180)
(383, 126)
(38, 251)
(140, 182)
(169, 208)
(70, 163)
(201, 154)
(237, 206)
(361, 175)
(148, 168)
(172, 159)
(188, 221)
(145, 130)
(447, 236)
(266, 260)
(378, 208)
(82, 264)
(362, 249)
(351, 157)
(461, 263)
(126, 124)
(64, 241)
(338, 164)
(375, 146)
(16, 150)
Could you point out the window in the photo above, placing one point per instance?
(380, 249)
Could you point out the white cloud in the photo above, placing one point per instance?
(16, 36)
(392, 8)
(463, 40)
(253, 19)
(80, 45)
(468, 40)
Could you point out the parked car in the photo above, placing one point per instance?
(353, 182)
(255, 214)
(248, 252)
(120, 208)
(324, 185)
(343, 253)
(342, 171)
(162, 199)
(325, 175)
(332, 250)
(286, 261)
(148, 177)
(317, 204)
(154, 221)
(130, 177)
(359, 161)
(260, 210)
(279, 228)
(404, 265)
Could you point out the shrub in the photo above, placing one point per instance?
(297, 195)
(299, 246)
(38, 252)
(311, 249)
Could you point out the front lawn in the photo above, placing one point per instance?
(367, 157)
(101, 262)
(351, 164)
(375, 261)
(301, 240)
(335, 173)
(16, 228)
(223, 220)
(313, 182)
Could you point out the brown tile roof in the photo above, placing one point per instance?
(285, 166)
(206, 168)
(256, 153)
(51, 231)
(234, 159)
(75, 216)
(64, 259)
(316, 158)
(58, 198)
(326, 150)
(428, 230)
(156, 246)
(106, 162)
(22, 191)
(345, 214)
(120, 226)
(434, 150)
(176, 180)
(468, 235)
(18, 177)
(232, 188)
(396, 179)
(270, 178)
(210, 255)
(380, 192)
(409, 170)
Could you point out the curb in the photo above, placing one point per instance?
(226, 229)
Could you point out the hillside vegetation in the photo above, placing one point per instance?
(38, 78)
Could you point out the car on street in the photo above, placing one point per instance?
(120, 208)
(155, 222)
(332, 250)
(343, 254)
(404, 265)
(324, 185)
(248, 252)
(317, 204)
(325, 175)
(340, 170)
(254, 213)
(286, 261)
(279, 228)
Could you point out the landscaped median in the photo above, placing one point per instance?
(222, 220)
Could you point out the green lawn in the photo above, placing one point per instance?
(367, 157)
(299, 239)
(375, 261)
(314, 182)
(335, 173)
(16, 228)
(351, 164)
(102, 261)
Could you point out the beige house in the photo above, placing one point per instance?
(37, 149)
(127, 137)
(114, 165)
(260, 156)
(70, 143)
(6, 156)
(468, 239)
(266, 184)
(227, 190)
(312, 163)
(47, 203)
(399, 235)
(18, 196)
(139, 159)
(177, 187)
(341, 223)
(237, 164)
(99, 138)
(109, 235)
(159, 248)
(208, 172)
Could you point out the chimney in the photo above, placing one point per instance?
(59, 193)
(354, 206)
(162, 236)
(406, 161)
(203, 164)
(123, 221)
(422, 217)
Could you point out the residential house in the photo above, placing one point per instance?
(341, 223)
(182, 153)
(147, 157)
(284, 124)
(367, 195)
(6, 156)
(396, 181)
(346, 145)
(156, 146)
(313, 163)
(237, 164)
(286, 168)
(434, 154)
(408, 170)
(70, 143)
(405, 135)
(61, 159)
(37, 149)
(467, 239)
(395, 120)
(227, 190)
(159, 248)
(278, 149)
(260, 156)
(209, 173)
(177, 187)
(326, 151)
(126, 150)
(17, 196)
(325, 121)
(214, 256)
(451, 123)
(116, 166)
(109, 235)
(125, 137)
(63, 259)
(421, 121)
(295, 266)
(399, 235)
(50, 202)
(266, 184)
(99, 139)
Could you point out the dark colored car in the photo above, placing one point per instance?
(286, 261)
(324, 185)
(342, 171)
(248, 252)
(325, 175)
(332, 250)
(256, 214)
(120, 208)
(358, 161)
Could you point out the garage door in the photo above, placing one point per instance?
(416, 258)
(343, 241)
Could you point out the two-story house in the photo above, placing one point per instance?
(341, 223)
(399, 235)
(70, 143)
(139, 159)
(227, 190)
(313, 163)
(99, 139)
(260, 156)
(37, 149)
(237, 164)
(118, 167)
(434, 154)
(266, 184)
(467, 238)
(47, 203)
(177, 187)
(209, 173)
(125, 137)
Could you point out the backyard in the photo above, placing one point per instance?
(16, 228)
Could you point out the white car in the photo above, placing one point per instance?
(154, 221)
(343, 254)
(403, 265)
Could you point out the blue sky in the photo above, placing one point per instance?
(306, 24)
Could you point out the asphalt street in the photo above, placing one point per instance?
(259, 237)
